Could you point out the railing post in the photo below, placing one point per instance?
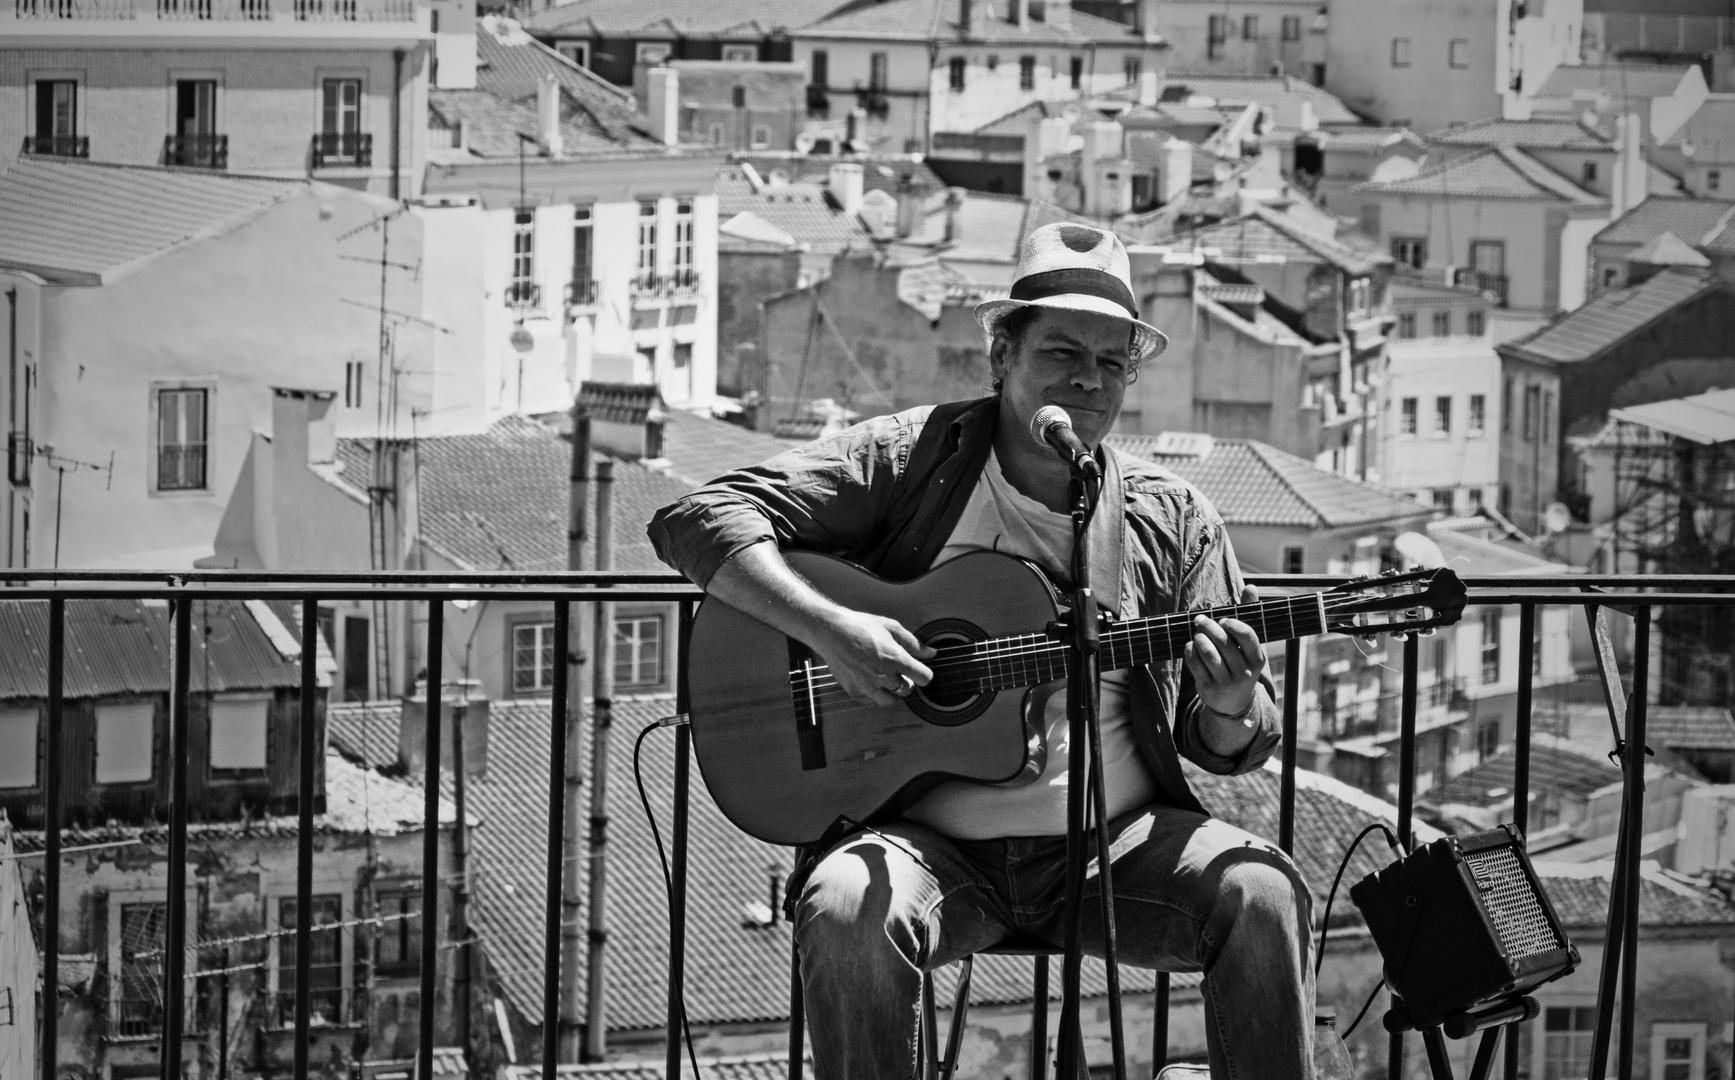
(1406, 798)
(304, 835)
(431, 716)
(1160, 1024)
(1614, 696)
(677, 1017)
(1291, 701)
(51, 830)
(556, 846)
(1521, 778)
(1634, 824)
(175, 945)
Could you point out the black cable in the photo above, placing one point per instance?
(1364, 1009)
(668, 879)
(1325, 921)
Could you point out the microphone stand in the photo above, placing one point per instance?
(1082, 632)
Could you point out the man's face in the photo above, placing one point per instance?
(1078, 360)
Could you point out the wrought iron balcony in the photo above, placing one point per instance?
(875, 102)
(339, 148)
(679, 285)
(818, 100)
(582, 293)
(524, 297)
(77, 146)
(196, 151)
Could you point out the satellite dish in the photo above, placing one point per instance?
(1419, 549)
(804, 142)
(1556, 517)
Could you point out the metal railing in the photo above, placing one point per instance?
(354, 148)
(57, 145)
(358, 11)
(196, 151)
(1639, 595)
(675, 285)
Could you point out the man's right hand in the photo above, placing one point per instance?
(871, 655)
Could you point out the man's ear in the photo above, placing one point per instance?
(997, 346)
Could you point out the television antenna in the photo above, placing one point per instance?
(62, 465)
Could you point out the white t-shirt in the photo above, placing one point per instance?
(999, 517)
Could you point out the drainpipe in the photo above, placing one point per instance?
(397, 113)
(602, 716)
(460, 872)
(12, 416)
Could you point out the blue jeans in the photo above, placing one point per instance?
(1191, 894)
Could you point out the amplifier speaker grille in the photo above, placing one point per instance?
(1512, 903)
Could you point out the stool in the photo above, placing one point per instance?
(936, 1067)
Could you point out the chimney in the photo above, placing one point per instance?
(413, 731)
(548, 116)
(954, 204)
(964, 13)
(846, 185)
(1102, 148)
(1149, 83)
(1628, 189)
(302, 428)
(1145, 20)
(855, 130)
(664, 105)
(909, 206)
(1177, 176)
(1058, 13)
(1295, 111)
(1044, 138)
(1021, 13)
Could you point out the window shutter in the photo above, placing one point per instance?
(124, 739)
(18, 747)
(238, 733)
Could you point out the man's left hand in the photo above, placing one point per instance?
(1226, 660)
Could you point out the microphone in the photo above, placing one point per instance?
(1052, 427)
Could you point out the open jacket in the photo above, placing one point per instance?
(886, 495)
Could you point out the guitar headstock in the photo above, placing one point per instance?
(1395, 603)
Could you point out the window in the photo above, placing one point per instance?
(1536, 647)
(1478, 415)
(1442, 324)
(1532, 402)
(1547, 417)
(1410, 250)
(1401, 52)
(1443, 498)
(238, 726)
(1407, 426)
(740, 54)
(352, 376)
(819, 69)
(1589, 172)
(532, 657)
(638, 652)
(1488, 258)
(1249, 27)
(715, 134)
(1487, 740)
(399, 945)
(1458, 52)
(1292, 32)
(523, 257)
(324, 960)
(761, 137)
(1678, 1051)
(1610, 275)
(683, 358)
(125, 739)
(1027, 73)
(1077, 72)
(138, 1008)
(738, 97)
(181, 438)
(993, 63)
(1475, 494)
(1566, 1041)
(1294, 559)
(1131, 68)
(877, 72)
(955, 73)
(652, 52)
(647, 254)
(684, 239)
(1476, 322)
(576, 51)
(582, 256)
(1713, 179)
(355, 663)
(1216, 33)
(18, 747)
(56, 109)
(1443, 415)
(1490, 647)
(1407, 324)
(196, 107)
(1506, 404)
(340, 109)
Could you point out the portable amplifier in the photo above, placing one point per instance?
(1463, 922)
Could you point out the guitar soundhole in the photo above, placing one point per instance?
(952, 698)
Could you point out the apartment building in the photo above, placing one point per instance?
(327, 89)
(1244, 37)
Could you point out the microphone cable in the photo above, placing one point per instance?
(663, 859)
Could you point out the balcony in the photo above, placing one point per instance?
(524, 297)
(336, 149)
(679, 285)
(818, 100)
(427, 596)
(76, 146)
(1492, 286)
(583, 293)
(874, 102)
(196, 151)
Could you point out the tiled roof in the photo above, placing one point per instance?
(1342, 138)
(1469, 555)
(1668, 250)
(1616, 80)
(1264, 234)
(879, 172)
(684, 18)
(1707, 419)
(1251, 483)
(1526, 134)
(511, 64)
(804, 211)
(737, 973)
(1694, 220)
(1555, 765)
(1239, 91)
(1017, 122)
(1611, 317)
(1690, 727)
(620, 403)
(71, 221)
(1498, 172)
(937, 20)
(123, 646)
(698, 449)
(492, 125)
(1710, 131)
(1580, 895)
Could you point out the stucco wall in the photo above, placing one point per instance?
(1451, 225)
(1426, 369)
(1428, 94)
(1186, 26)
(744, 282)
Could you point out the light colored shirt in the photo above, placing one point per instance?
(999, 517)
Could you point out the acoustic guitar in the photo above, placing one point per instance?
(786, 753)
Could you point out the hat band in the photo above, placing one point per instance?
(1076, 280)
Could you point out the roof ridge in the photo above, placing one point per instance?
(1263, 451)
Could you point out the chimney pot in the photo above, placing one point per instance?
(846, 185)
(664, 104)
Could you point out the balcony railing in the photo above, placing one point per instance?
(876, 103)
(58, 145)
(674, 286)
(1641, 596)
(524, 297)
(1494, 286)
(818, 100)
(196, 151)
(359, 11)
(582, 293)
(338, 148)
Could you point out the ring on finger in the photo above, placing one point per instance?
(906, 686)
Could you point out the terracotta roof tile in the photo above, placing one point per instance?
(1690, 727)
(1580, 895)
(1264, 234)
(936, 20)
(1694, 220)
(1611, 317)
(1710, 131)
(1616, 80)
(1498, 172)
(756, 18)
(804, 211)
(1239, 91)
(1525, 134)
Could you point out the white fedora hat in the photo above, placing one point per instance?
(1080, 268)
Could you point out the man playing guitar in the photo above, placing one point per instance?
(969, 865)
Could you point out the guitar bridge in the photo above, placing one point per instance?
(809, 719)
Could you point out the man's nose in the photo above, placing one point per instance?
(1086, 375)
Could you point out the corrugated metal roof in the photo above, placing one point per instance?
(1498, 172)
(1613, 316)
(71, 220)
(1706, 419)
(1615, 80)
(123, 647)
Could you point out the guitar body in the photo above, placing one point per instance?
(784, 763)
